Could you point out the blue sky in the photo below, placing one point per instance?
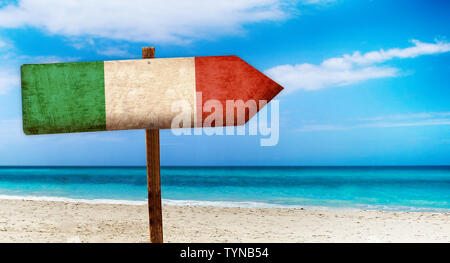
(366, 82)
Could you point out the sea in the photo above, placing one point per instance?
(387, 188)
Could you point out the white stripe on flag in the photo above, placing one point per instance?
(140, 93)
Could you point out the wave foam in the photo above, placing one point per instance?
(72, 200)
(242, 204)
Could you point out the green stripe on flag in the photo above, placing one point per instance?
(64, 97)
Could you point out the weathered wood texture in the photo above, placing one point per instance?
(229, 78)
(64, 97)
(148, 52)
(153, 174)
(140, 93)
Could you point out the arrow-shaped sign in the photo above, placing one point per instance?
(136, 94)
(141, 94)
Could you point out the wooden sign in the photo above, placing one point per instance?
(134, 94)
(139, 94)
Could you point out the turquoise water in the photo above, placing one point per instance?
(386, 188)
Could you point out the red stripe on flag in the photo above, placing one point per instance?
(230, 78)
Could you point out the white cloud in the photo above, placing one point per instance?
(10, 127)
(420, 115)
(387, 121)
(436, 122)
(321, 127)
(8, 77)
(430, 122)
(418, 49)
(349, 69)
(313, 77)
(115, 52)
(10, 133)
(5, 45)
(46, 59)
(317, 2)
(140, 20)
(8, 81)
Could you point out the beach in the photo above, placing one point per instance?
(57, 221)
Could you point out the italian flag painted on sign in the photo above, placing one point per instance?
(133, 94)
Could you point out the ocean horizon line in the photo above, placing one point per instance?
(224, 166)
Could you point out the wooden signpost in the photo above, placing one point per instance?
(140, 94)
(153, 174)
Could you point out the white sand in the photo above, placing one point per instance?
(46, 221)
